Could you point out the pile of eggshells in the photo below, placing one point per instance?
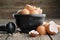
(30, 10)
(50, 28)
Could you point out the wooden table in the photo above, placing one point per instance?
(24, 36)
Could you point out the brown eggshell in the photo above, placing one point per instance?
(58, 26)
(29, 7)
(49, 32)
(39, 10)
(34, 12)
(45, 24)
(52, 29)
(41, 30)
(25, 11)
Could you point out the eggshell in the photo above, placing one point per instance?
(25, 11)
(33, 33)
(34, 12)
(41, 30)
(29, 7)
(45, 24)
(39, 10)
(34, 7)
(52, 29)
(58, 26)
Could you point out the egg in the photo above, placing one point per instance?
(52, 29)
(41, 30)
(25, 11)
(33, 33)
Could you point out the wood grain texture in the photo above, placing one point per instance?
(24, 36)
(45, 37)
(56, 37)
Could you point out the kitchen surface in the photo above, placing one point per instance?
(9, 7)
(24, 36)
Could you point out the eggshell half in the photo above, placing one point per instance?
(29, 7)
(52, 29)
(58, 26)
(25, 11)
(34, 12)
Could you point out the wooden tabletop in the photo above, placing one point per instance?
(24, 36)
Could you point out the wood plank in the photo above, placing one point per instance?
(26, 36)
(23, 37)
(3, 36)
(45, 37)
(56, 37)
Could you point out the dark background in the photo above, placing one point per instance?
(50, 7)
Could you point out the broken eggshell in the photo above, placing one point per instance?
(45, 24)
(24, 11)
(33, 33)
(30, 8)
(52, 29)
(58, 26)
